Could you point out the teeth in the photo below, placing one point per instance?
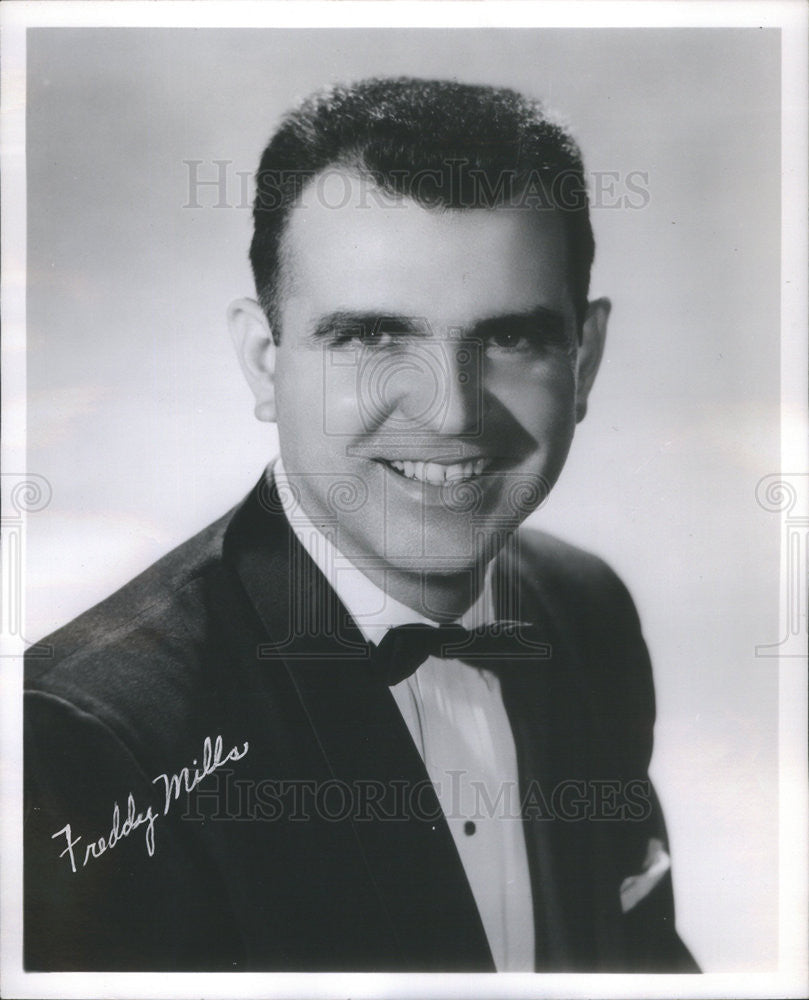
(433, 472)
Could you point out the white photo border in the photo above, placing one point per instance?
(791, 18)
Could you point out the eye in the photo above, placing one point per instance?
(520, 339)
(507, 341)
(371, 335)
(375, 337)
(513, 343)
(362, 336)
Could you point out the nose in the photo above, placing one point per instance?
(436, 387)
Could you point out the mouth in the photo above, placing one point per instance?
(438, 473)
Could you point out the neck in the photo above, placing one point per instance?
(442, 597)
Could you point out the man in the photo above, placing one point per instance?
(363, 722)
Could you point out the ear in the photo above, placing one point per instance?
(255, 349)
(591, 349)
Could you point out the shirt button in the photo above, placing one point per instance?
(469, 828)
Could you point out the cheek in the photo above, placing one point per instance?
(317, 401)
(543, 400)
(298, 401)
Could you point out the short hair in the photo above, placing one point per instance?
(439, 142)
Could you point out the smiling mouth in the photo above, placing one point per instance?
(436, 473)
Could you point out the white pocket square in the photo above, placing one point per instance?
(637, 887)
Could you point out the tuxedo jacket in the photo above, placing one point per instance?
(304, 834)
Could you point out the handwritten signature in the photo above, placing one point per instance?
(184, 780)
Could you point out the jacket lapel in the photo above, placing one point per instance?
(408, 850)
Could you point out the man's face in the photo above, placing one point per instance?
(426, 375)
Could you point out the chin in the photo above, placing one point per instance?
(446, 561)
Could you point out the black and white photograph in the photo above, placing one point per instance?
(404, 496)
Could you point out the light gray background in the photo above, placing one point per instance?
(138, 417)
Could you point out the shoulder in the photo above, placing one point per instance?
(570, 579)
(154, 595)
(134, 660)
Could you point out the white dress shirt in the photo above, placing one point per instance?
(457, 720)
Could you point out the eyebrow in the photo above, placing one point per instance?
(345, 322)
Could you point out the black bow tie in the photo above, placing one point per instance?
(403, 649)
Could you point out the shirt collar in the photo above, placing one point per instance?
(374, 611)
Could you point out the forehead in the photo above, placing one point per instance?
(350, 246)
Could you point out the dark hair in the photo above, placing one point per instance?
(442, 143)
